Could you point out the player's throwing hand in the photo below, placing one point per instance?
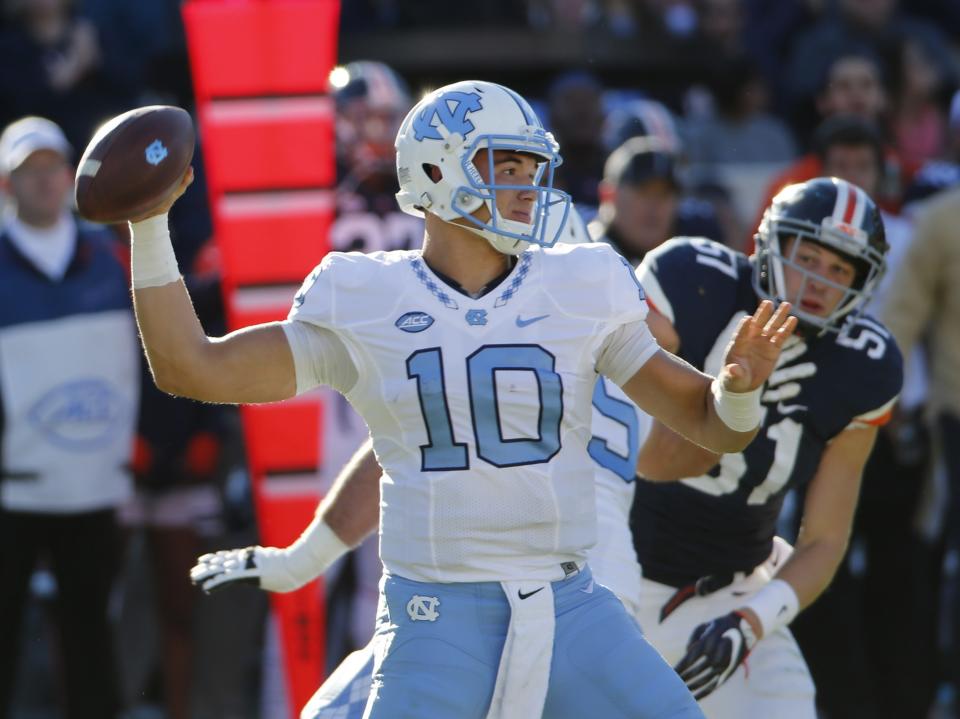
(755, 347)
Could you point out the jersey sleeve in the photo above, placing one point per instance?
(625, 351)
(319, 357)
(334, 298)
(874, 364)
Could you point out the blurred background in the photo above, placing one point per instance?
(297, 103)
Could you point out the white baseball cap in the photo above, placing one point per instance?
(27, 135)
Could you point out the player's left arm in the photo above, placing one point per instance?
(347, 514)
(828, 515)
(666, 456)
(721, 414)
(718, 647)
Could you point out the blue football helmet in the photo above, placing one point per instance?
(836, 214)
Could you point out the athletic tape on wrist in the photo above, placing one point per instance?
(152, 260)
(775, 605)
(314, 551)
(740, 411)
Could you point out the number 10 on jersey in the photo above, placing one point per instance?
(443, 452)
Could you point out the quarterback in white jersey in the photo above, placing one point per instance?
(474, 363)
(512, 370)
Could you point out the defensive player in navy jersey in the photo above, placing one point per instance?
(474, 363)
(718, 584)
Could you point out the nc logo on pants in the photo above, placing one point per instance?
(423, 609)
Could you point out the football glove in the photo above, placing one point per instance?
(265, 567)
(276, 570)
(714, 652)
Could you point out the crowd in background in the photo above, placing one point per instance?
(864, 89)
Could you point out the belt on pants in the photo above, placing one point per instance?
(700, 588)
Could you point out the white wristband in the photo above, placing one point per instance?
(314, 551)
(740, 411)
(152, 261)
(775, 605)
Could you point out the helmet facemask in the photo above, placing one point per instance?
(847, 241)
(506, 235)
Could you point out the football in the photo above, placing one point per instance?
(133, 162)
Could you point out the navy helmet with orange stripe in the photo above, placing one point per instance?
(837, 215)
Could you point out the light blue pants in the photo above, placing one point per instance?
(439, 648)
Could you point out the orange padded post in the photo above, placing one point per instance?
(260, 70)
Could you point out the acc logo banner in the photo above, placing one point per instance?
(82, 415)
(423, 609)
(450, 110)
(414, 322)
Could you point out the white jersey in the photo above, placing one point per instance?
(480, 409)
(619, 430)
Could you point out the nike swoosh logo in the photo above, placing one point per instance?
(523, 323)
(529, 594)
(790, 408)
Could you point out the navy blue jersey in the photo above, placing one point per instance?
(725, 520)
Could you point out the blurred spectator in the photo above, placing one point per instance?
(371, 101)
(919, 97)
(811, 164)
(576, 118)
(643, 117)
(851, 148)
(69, 382)
(940, 174)
(740, 129)
(866, 26)
(925, 303)
(853, 86)
(52, 64)
(640, 201)
(639, 197)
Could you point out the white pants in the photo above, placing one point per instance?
(773, 682)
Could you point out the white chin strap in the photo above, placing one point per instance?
(501, 243)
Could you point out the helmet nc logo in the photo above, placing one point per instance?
(450, 110)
